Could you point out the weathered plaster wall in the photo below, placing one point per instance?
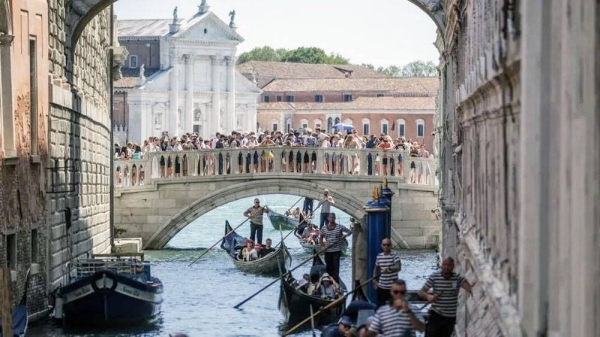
(22, 178)
(79, 140)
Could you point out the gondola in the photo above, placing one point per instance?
(311, 247)
(273, 263)
(109, 289)
(295, 305)
(281, 221)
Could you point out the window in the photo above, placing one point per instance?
(266, 99)
(304, 123)
(336, 120)
(133, 61)
(34, 246)
(11, 251)
(205, 30)
(319, 98)
(288, 125)
(33, 89)
(420, 128)
(401, 128)
(197, 130)
(289, 98)
(347, 97)
(317, 123)
(278, 98)
(379, 95)
(366, 126)
(329, 124)
(384, 126)
(274, 125)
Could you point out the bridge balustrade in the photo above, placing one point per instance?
(267, 160)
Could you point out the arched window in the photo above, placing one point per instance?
(401, 128)
(304, 123)
(420, 128)
(366, 126)
(329, 124)
(337, 120)
(317, 123)
(348, 121)
(274, 125)
(133, 61)
(385, 126)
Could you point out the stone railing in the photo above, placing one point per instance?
(257, 161)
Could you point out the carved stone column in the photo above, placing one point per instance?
(8, 122)
(231, 120)
(173, 115)
(215, 117)
(187, 124)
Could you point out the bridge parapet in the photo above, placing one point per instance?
(157, 166)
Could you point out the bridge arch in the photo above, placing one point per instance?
(348, 203)
(81, 12)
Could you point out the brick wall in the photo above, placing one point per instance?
(79, 142)
(22, 178)
(328, 97)
(148, 56)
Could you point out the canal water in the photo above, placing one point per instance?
(199, 299)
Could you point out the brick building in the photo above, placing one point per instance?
(309, 95)
(24, 147)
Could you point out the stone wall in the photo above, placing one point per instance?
(22, 176)
(479, 160)
(79, 140)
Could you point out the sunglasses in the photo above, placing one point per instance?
(399, 292)
(385, 244)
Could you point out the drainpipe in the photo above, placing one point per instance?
(112, 152)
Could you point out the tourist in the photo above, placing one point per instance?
(249, 253)
(445, 285)
(328, 288)
(363, 329)
(267, 249)
(255, 214)
(332, 239)
(387, 265)
(396, 318)
(326, 203)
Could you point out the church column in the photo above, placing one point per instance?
(231, 121)
(173, 116)
(215, 124)
(187, 124)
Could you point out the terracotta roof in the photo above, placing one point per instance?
(361, 103)
(267, 71)
(405, 85)
(131, 76)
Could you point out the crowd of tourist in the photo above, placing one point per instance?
(297, 159)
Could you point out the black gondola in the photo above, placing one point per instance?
(295, 305)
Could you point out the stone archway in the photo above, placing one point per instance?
(345, 202)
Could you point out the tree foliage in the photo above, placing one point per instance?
(317, 55)
(299, 55)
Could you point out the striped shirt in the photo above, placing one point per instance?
(333, 237)
(326, 205)
(447, 291)
(389, 322)
(383, 262)
(256, 215)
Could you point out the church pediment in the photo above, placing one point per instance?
(207, 27)
(157, 82)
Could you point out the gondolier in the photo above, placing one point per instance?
(255, 213)
(332, 237)
(445, 285)
(387, 265)
(326, 203)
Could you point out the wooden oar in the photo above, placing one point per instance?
(237, 306)
(336, 302)
(312, 322)
(226, 235)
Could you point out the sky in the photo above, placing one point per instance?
(379, 32)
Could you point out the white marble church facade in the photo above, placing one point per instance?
(197, 88)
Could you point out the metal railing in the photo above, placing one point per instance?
(118, 263)
(286, 160)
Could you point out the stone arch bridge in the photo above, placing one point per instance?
(154, 202)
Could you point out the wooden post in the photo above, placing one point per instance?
(6, 302)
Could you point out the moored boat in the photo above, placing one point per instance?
(295, 305)
(274, 262)
(20, 314)
(109, 289)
